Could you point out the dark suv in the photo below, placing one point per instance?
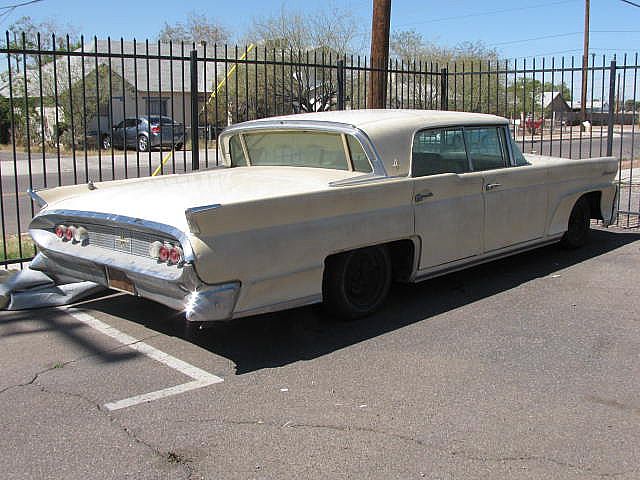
(145, 133)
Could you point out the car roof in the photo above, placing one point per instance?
(391, 131)
(367, 118)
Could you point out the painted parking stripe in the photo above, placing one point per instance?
(200, 377)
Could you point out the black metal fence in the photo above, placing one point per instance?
(68, 111)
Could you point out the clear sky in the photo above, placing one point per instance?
(516, 29)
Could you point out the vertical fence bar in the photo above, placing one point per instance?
(184, 110)
(341, 85)
(444, 89)
(124, 108)
(84, 111)
(55, 96)
(634, 113)
(173, 113)
(195, 150)
(612, 99)
(99, 135)
(136, 101)
(27, 120)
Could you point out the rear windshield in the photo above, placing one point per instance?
(299, 149)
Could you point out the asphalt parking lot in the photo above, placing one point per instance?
(524, 368)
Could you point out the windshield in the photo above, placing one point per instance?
(298, 149)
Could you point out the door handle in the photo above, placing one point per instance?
(421, 196)
(491, 186)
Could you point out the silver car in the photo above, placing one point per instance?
(145, 133)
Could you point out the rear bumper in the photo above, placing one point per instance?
(187, 293)
(166, 140)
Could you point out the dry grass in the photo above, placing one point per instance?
(10, 248)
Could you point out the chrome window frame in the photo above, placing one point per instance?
(370, 151)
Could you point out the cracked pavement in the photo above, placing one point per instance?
(524, 368)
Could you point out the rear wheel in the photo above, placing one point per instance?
(105, 142)
(577, 233)
(143, 143)
(356, 283)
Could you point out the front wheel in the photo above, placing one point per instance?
(143, 143)
(577, 233)
(356, 283)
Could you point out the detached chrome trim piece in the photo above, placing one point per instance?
(36, 198)
(190, 213)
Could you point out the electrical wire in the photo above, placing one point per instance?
(482, 14)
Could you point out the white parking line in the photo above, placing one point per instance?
(200, 377)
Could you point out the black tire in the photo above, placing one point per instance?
(356, 283)
(143, 143)
(105, 142)
(579, 226)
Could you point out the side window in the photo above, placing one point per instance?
(518, 157)
(130, 122)
(358, 157)
(439, 151)
(237, 154)
(120, 125)
(485, 148)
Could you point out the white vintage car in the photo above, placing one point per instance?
(322, 207)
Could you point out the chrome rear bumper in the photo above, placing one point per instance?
(186, 293)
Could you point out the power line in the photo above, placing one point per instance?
(568, 34)
(630, 3)
(13, 7)
(493, 12)
(536, 38)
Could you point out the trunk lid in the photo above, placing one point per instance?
(165, 199)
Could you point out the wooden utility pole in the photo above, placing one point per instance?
(380, 25)
(585, 62)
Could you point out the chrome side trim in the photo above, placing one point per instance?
(36, 198)
(478, 260)
(44, 219)
(190, 213)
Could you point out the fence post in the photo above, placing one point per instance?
(340, 75)
(195, 148)
(444, 89)
(612, 101)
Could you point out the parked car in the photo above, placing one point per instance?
(145, 133)
(323, 207)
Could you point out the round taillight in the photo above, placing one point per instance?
(80, 235)
(60, 231)
(154, 250)
(164, 252)
(175, 256)
(69, 233)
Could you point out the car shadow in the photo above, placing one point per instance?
(277, 339)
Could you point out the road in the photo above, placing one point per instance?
(525, 368)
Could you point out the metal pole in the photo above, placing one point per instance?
(379, 53)
(444, 89)
(612, 99)
(340, 80)
(585, 61)
(195, 149)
